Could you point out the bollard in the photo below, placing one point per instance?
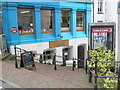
(74, 63)
(90, 76)
(16, 63)
(86, 66)
(119, 80)
(54, 62)
(45, 58)
(41, 58)
(64, 61)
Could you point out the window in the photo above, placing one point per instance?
(25, 21)
(65, 21)
(80, 20)
(100, 6)
(47, 21)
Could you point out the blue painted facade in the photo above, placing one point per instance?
(10, 19)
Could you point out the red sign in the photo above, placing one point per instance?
(14, 29)
(101, 30)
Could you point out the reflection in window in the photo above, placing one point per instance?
(104, 39)
(47, 21)
(65, 20)
(80, 20)
(100, 6)
(25, 21)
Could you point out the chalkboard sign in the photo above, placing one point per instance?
(27, 60)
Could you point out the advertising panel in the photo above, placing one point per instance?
(101, 34)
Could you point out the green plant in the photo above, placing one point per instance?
(101, 54)
(103, 69)
(109, 82)
(48, 63)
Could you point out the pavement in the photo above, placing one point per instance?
(43, 77)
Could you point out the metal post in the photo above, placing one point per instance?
(95, 84)
(90, 76)
(86, 66)
(16, 64)
(74, 63)
(119, 80)
(64, 61)
(41, 58)
(45, 58)
(54, 62)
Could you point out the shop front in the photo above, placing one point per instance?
(34, 25)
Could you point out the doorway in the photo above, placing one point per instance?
(81, 56)
(66, 53)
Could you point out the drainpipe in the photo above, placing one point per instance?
(93, 11)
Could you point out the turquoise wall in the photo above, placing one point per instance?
(9, 19)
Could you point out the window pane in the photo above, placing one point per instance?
(65, 20)
(100, 6)
(80, 20)
(25, 21)
(47, 20)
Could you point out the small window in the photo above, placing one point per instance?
(47, 21)
(25, 21)
(65, 21)
(100, 6)
(80, 21)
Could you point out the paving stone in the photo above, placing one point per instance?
(45, 76)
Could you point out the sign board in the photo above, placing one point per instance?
(101, 30)
(102, 34)
(13, 29)
(59, 43)
(27, 60)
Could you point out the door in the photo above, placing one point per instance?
(81, 56)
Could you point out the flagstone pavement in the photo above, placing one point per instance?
(44, 76)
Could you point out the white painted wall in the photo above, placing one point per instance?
(98, 17)
(118, 37)
(78, 42)
(112, 16)
(109, 15)
(59, 52)
(41, 47)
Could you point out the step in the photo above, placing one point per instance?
(5, 56)
(11, 57)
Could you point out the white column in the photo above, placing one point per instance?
(74, 51)
(71, 53)
(59, 53)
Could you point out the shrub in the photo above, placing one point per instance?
(104, 69)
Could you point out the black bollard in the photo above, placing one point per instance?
(86, 66)
(74, 63)
(16, 63)
(54, 62)
(64, 61)
(90, 76)
(55, 67)
(41, 59)
(45, 58)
